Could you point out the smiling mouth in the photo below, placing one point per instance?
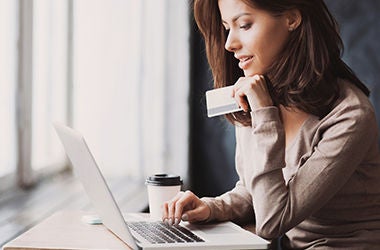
(246, 59)
(244, 62)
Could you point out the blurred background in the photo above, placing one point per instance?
(131, 76)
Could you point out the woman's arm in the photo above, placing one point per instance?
(237, 204)
(279, 207)
(234, 205)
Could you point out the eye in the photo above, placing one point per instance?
(246, 26)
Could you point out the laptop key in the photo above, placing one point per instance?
(159, 232)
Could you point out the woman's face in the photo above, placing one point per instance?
(254, 36)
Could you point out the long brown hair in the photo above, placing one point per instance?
(306, 72)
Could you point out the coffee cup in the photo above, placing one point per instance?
(161, 188)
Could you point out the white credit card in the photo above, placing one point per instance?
(220, 101)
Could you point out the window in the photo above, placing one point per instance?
(41, 84)
(115, 70)
(8, 82)
(131, 83)
(50, 80)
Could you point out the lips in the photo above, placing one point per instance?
(244, 61)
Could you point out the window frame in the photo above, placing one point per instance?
(24, 175)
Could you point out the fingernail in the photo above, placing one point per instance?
(185, 217)
(170, 222)
(176, 221)
(166, 220)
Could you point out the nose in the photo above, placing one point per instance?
(232, 43)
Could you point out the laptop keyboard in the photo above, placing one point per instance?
(159, 232)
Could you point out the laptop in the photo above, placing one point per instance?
(158, 235)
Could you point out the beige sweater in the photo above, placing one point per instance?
(323, 191)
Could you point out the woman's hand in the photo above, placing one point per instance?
(254, 90)
(185, 206)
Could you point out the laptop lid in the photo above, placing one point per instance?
(87, 171)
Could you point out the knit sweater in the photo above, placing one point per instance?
(322, 191)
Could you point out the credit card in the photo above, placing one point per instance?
(220, 101)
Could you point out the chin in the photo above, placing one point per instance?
(248, 73)
(251, 72)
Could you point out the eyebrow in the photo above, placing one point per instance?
(238, 16)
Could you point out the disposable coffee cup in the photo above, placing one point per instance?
(161, 188)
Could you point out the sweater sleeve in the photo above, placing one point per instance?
(342, 146)
(235, 205)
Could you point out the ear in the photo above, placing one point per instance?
(293, 18)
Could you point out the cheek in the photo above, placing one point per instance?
(269, 44)
(276, 41)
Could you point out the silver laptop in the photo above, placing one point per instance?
(143, 233)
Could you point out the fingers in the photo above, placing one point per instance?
(169, 209)
(242, 100)
(251, 93)
(180, 207)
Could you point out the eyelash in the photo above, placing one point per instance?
(246, 26)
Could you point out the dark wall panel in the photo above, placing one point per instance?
(212, 140)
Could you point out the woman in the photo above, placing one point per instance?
(307, 151)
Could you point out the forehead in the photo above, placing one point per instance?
(229, 9)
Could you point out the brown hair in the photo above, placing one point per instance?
(306, 72)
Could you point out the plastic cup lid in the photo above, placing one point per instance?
(164, 180)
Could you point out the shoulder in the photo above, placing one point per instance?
(352, 111)
(350, 126)
(352, 101)
(351, 95)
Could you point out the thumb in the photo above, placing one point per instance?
(197, 214)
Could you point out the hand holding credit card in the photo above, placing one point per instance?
(220, 101)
